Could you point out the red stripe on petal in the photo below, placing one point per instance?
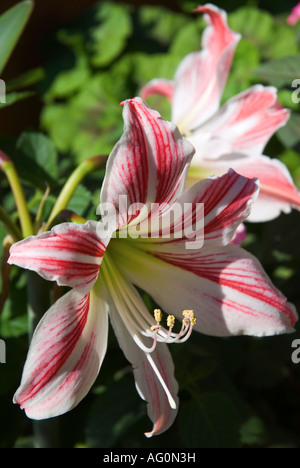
(56, 344)
(201, 76)
(147, 165)
(243, 275)
(70, 254)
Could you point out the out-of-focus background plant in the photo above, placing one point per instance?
(72, 66)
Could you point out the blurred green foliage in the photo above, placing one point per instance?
(234, 392)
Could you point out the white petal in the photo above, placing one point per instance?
(65, 355)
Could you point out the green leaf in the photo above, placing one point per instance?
(253, 432)
(162, 24)
(290, 134)
(12, 24)
(259, 27)
(80, 200)
(40, 149)
(14, 97)
(280, 72)
(110, 35)
(28, 78)
(252, 23)
(187, 40)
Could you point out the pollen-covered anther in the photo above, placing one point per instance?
(189, 317)
(170, 321)
(157, 315)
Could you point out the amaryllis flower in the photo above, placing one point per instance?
(220, 288)
(234, 135)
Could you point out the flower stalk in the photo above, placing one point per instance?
(10, 171)
(85, 168)
(9, 225)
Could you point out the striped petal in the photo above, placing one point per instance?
(148, 164)
(226, 287)
(201, 77)
(69, 254)
(65, 355)
(243, 125)
(210, 212)
(158, 86)
(278, 193)
(153, 371)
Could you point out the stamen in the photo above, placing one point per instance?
(158, 315)
(188, 321)
(171, 321)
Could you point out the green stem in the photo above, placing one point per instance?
(46, 432)
(87, 166)
(14, 181)
(9, 225)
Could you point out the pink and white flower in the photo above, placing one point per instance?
(235, 134)
(224, 285)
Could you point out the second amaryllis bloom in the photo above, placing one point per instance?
(140, 242)
(233, 135)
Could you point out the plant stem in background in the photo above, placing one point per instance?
(86, 167)
(9, 225)
(9, 169)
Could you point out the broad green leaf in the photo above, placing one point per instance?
(290, 134)
(292, 160)
(280, 72)
(40, 149)
(272, 37)
(12, 24)
(187, 40)
(110, 35)
(161, 24)
(252, 23)
(80, 200)
(68, 82)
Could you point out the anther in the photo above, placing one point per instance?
(157, 315)
(170, 321)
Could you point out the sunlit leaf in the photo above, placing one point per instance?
(12, 24)
(109, 36)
